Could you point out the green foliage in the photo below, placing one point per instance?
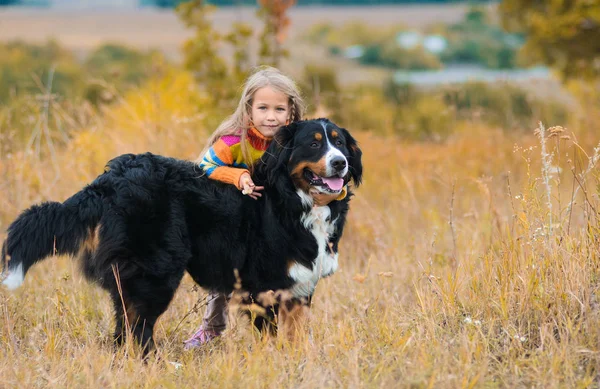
(24, 69)
(321, 89)
(120, 64)
(393, 56)
(427, 118)
(238, 38)
(562, 34)
(41, 84)
(27, 69)
(504, 105)
(338, 38)
(400, 93)
(364, 107)
(428, 114)
(475, 39)
(113, 66)
(200, 52)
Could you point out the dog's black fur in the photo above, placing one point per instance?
(147, 219)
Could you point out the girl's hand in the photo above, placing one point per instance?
(248, 187)
(321, 199)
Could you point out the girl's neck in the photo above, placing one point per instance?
(254, 133)
(257, 140)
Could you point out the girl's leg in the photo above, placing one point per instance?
(215, 316)
(213, 323)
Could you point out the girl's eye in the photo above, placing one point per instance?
(314, 145)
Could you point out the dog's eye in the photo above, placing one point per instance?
(314, 145)
(338, 142)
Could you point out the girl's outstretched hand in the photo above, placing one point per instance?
(248, 187)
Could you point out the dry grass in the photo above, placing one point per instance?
(448, 277)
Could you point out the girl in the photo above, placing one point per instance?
(269, 101)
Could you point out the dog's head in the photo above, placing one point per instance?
(316, 154)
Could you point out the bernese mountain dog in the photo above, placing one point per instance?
(148, 219)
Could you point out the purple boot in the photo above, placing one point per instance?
(200, 338)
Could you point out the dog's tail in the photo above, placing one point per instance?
(47, 229)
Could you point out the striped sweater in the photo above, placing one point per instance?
(225, 162)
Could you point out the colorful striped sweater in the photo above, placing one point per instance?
(225, 162)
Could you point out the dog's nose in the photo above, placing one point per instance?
(338, 163)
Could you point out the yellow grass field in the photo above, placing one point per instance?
(471, 263)
(454, 273)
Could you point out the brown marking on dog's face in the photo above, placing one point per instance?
(334, 134)
(297, 174)
(318, 136)
(7, 258)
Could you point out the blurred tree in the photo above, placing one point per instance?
(273, 12)
(201, 55)
(200, 52)
(564, 34)
(238, 38)
(221, 78)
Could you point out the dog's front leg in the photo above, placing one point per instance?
(292, 318)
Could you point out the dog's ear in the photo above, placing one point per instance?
(354, 159)
(279, 153)
(285, 142)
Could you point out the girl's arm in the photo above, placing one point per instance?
(217, 163)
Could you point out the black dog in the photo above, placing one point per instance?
(147, 219)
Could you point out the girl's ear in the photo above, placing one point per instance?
(354, 158)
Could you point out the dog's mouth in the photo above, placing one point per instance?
(333, 184)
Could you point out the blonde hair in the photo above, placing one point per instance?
(239, 121)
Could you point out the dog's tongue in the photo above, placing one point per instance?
(334, 183)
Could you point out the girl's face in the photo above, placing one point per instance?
(270, 110)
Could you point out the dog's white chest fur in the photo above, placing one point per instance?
(318, 222)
